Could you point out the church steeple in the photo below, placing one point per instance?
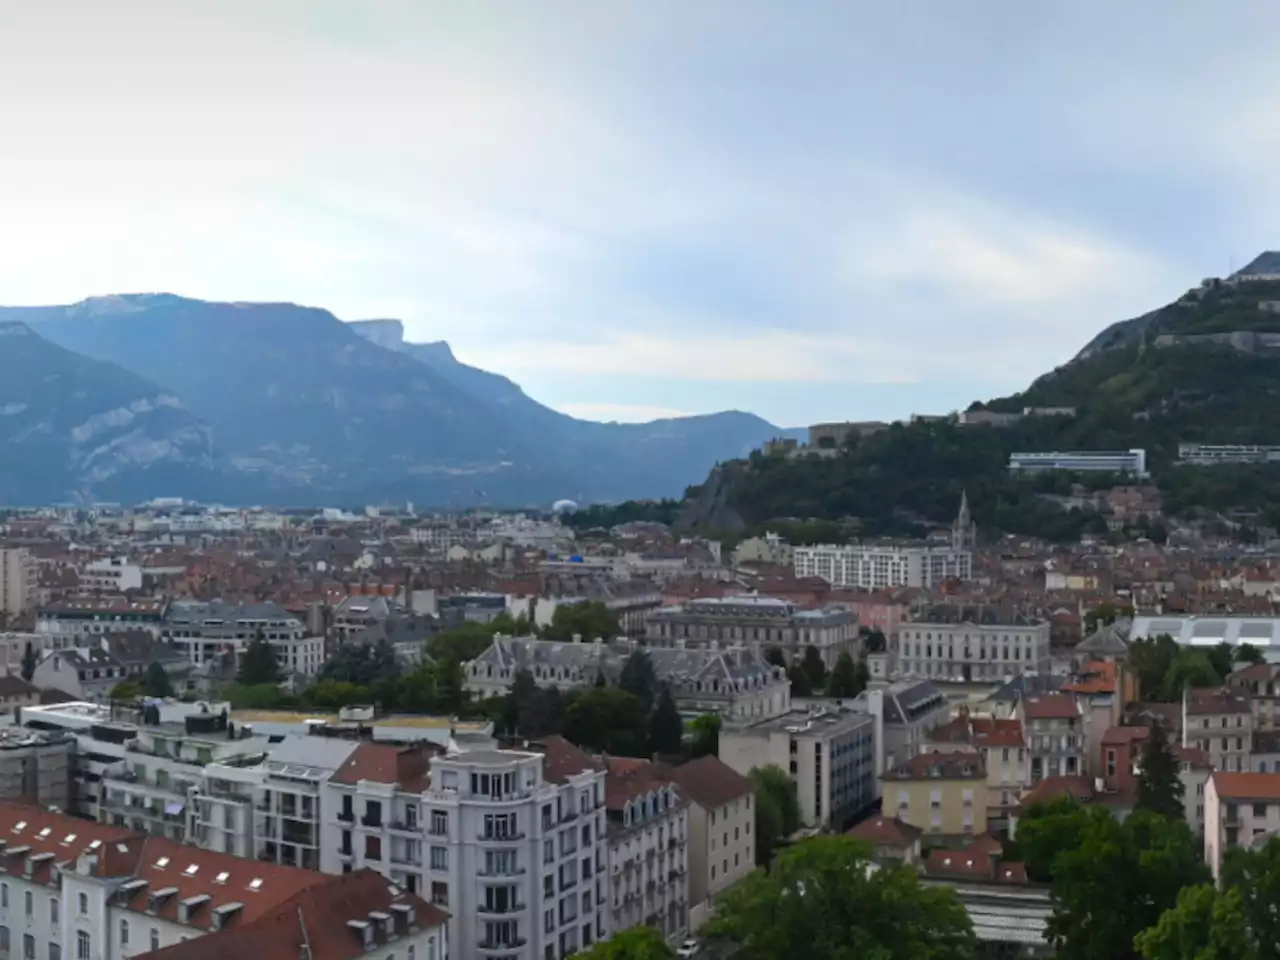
(963, 533)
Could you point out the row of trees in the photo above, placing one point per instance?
(809, 677)
(1165, 668)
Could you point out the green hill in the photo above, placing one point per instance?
(1203, 369)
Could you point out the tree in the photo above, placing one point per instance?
(1104, 614)
(706, 735)
(362, 664)
(638, 678)
(523, 686)
(814, 667)
(1255, 875)
(825, 898)
(461, 643)
(1160, 788)
(874, 641)
(1222, 658)
(542, 713)
(845, 681)
(1150, 658)
(1248, 653)
(589, 620)
(258, 663)
(777, 810)
(801, 685)
(1190, 669)
(635, 943)
(775, 656)
(1203, 925)
(125, 690)
(29, 662)
(606, 719)
(666, 729)
(156, 682)
(1047, 830)
(1118, 881)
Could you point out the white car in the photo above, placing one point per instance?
(688, 949)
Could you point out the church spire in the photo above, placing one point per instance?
(962, 533)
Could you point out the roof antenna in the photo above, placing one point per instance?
(306, 941)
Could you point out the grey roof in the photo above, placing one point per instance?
(669, 663)
(82, 657)
(192, 611)
(414, 628)
(1025, 685)
(907, 700)
(367, 607)
(975, 613)
(1111, 639)
(321, 754)
(1210, 630)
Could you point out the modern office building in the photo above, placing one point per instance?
(1209, 455)
(1129, 462)
(19, 581)
(830, 753)
(512, 843)
(36, 766)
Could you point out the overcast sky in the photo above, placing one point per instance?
(808, 210)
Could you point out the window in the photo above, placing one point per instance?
(439, 858)
(439, 823)
(28, 947)
(53, 910)
(84, 904)
(55, 951)
(4, 895)
(29, 902)
(373, 848)
(124, 933)
(82, 942)
(155, 939)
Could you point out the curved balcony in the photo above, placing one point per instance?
(505, 946)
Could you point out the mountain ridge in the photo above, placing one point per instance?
(304, 408)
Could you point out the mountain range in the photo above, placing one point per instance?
(132, 396)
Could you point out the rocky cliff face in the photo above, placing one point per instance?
(72, 426)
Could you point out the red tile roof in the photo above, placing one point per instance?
(626, 779)
(1117, 736)
(317, 916)
(1050, 706)
(387, 763)
(709, 782)
(562, 759)
(1247, 786)
(958, 765)
(885, 832)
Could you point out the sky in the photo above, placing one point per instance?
(813, 211)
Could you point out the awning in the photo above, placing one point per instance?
(173, 809)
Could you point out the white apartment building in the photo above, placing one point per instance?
(68, 622)
(86, 891)
(206, 631)
(648, 848)
(101, 738)
(512, 843)
(19, 581)
(1132, 462)
(111, 575)
(973, 642)
(1206, 455)
(13, 647)
(872, 566)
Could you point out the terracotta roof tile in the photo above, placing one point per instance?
(709, 782)
(1247, 786)
(1050, 706)
(885, 831)
(958, 765)
(562, 759)
(387, 763)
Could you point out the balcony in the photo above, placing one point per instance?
(407, 859)
(568, 816)
(374, 821)
(347, 854)
(502, 946)
(504, 837)
(509, 908)
(403, 826)
(503, 872)
(346, 816)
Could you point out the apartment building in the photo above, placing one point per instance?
(759, 623)
(1221, 724)
(906, 712)
(731, 682)
(830, 753)
(1122, 748)
(82, 672)
(19, 582)
(1054, 730)
(36, 766)
(207, 631)
(111, 575)
(67, 623)
(1240, 810)
(1260, 683)
(13, 647)
(94, 892)
(648, 838)
(876, 566)
(100, 736)
(154, 788)
(942, 794)
(722, 842)
(16, 692)
(512, 842)
(973, 642)
(1005, 757)
(1130, 462)
(356, 614)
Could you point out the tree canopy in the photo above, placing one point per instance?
(666, 729)
(1160, 788)
(638, 678)
(636, 943)
(827, 898)
(258, 663)
(156, 681)
(848, 679)
(777, 810)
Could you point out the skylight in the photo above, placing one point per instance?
(222, 877)
(19, 826)
(71, 838)
(162, 863)
(45, 832)
(95, 844)
(191, 870)
(255, 883)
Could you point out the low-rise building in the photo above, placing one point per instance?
(830, 754)
(973, 642)
(942, 794)
(906, 712)
(892, 840)
(67, 622)
(1221, 724)
(1005, 757)
(85, 673)
(36, 766)
(209, 631)
(732, 682)
(760, 623)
